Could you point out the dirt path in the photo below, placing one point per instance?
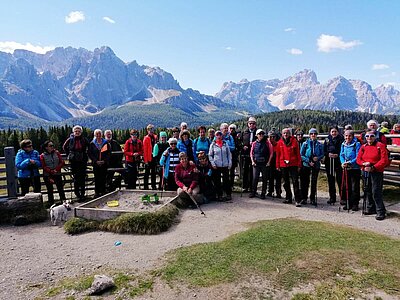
(43, 253)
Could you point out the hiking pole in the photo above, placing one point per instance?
(195, 202)
(241, 174)
(162, 182)
(347, 189)
(366, 182)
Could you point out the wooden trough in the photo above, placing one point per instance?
(129, 201)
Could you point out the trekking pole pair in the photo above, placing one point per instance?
(345, 185)
(366, 183)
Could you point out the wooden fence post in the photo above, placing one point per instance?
(9, 155)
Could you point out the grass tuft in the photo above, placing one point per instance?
(138, 223)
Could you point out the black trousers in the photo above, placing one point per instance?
(233, 168)
(131, 175)
(351, 187)
(100, 179)
(275, 180)
(57, 180)
(334, 173)
(264, 170)
(171, 183)
(308, 172)
(374, 188)
(247, 175)
(78, 170)
(150, 169)
(291, 173)
(30, 181)
(223, 173)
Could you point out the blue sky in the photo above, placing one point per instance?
(205, 43)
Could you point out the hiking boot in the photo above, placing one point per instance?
(380, 217)
(314, 203)
(278, 196)
(298, 204)
(252, 195)
(228, 197)
(245, 190)
(355, 208)
(262, 196)
(345, 207)
(269, 195)
(303, 202)
(332, 202)
(369, 212)
(288, 201)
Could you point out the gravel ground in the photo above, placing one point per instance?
(42, 253)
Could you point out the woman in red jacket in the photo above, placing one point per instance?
(52, 163)
(133, 150)
(373, 158)
(186, 177)
(288, 161)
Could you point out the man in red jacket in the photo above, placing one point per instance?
(150, 163)
(288, 161)
(372, 158)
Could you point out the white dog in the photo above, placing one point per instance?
(59, 212)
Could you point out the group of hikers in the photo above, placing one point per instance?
(203, 168)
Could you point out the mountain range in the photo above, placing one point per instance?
(97, 89)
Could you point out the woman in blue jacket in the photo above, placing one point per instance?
(28, 163)
(311, 153)
(348, 158)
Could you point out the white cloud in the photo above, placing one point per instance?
(294, 51)
(379, 67)
(75, 16)
(229, 48)
(109, 20)
(10, 46)
(328, 43)
(289, 29)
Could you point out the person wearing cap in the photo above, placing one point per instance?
(247, 137)
(185, 144)
(206, 183)
(150, 164)
(158, 150)
(275, 175)
(312, 152)
(235, 153)
(186, 178)
(27, 162)
(373, 158)
(348, 158)
(221, 161)
(169, 160)
(184, 126)
(261, 154)
(379, 137)
(133, 150)
(333, 167)
(115, 161)
(76, 147)
(288, 161)
(384, 128)
(201, 143)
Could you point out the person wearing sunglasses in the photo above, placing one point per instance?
(27, 162)
(52, 162)
(352, 173)
(288, 161)
(379, 137)
(372, 158)
(169, 160)
(312, 152)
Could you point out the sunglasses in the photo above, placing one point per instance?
(28, 146)
(202, 158)
(252, 123)
(369, 135)
(173, 144)
(50, 145)
(313, 134)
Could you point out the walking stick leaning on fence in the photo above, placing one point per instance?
(366, 183)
